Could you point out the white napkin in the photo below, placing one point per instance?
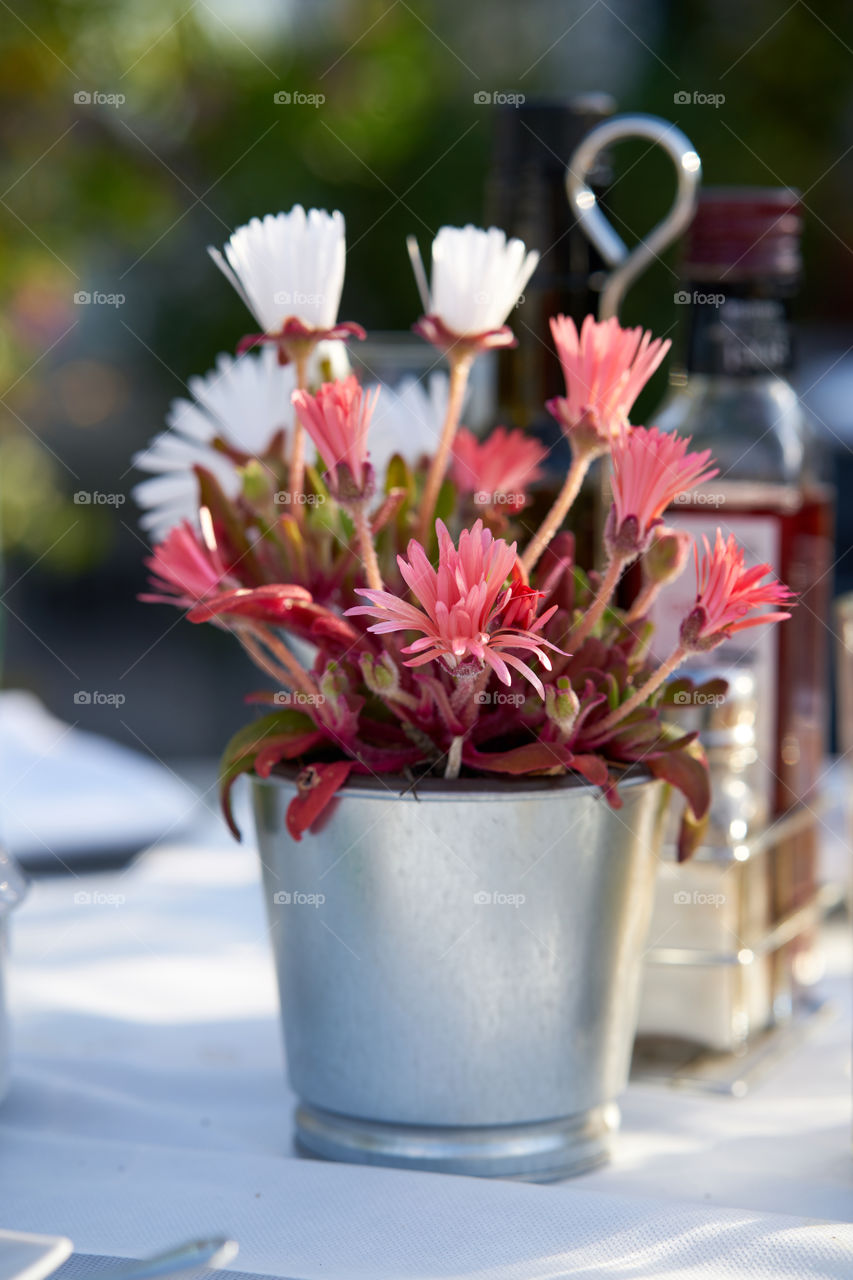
(148, 1106)
(66, 792)
(321, 1221)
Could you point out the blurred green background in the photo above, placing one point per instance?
(134, 135)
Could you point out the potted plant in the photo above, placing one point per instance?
(471, 735)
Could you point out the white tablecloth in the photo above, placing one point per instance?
(148, 1104)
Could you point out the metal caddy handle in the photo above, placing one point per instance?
(627, 263)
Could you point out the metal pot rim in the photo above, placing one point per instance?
(474, 789)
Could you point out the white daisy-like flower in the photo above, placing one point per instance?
(288, 266)
(407, 420)
(243, 401)
(477, 279)
(328, 362)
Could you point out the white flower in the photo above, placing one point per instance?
(477, 277)
(329, 362)
(407, 420)
(288, 265)
(243, 401)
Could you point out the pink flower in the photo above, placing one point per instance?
(463, 601)
(337, 419)
(605, 368)
(498, 469)
(650, 469)
(183, 569)
(727, 593)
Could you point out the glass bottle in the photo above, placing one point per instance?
(732, 395)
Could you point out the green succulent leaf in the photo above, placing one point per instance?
(287, 731)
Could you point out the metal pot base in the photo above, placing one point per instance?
(541, 1152)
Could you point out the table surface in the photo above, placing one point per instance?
(145, 1025)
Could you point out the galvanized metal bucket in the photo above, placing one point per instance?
(458, 968)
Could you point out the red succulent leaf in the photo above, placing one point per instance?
(691, 833)
(677, 744)
(555, 572)
(284, 605)
(687, 770)
(594, 769)
(638, 735)
(316, 788)
(373, 760)
(680, 692)
(272, 603)
(244, 747)
(284, 748)
(327, 629)
(533, 757)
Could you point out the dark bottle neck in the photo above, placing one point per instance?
(740, 330)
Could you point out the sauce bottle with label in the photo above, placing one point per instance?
(732, 395)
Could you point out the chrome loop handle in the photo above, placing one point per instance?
(627, 263)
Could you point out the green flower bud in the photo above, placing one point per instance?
(562, 705)
(382, 676)
(256, 481)
(333, 682)
(667, 555)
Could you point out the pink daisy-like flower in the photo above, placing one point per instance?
(337, 419)
(650, 469)
(728, 593)
(498, 470)
(184, 570)
(462, 605)
(605, 368)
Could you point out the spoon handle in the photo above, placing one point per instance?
(194, 1255)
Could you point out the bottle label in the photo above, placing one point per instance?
(754, 648)
(738, 337)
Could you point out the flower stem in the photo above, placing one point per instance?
(454, 757)
(460, 368)
(644, 601)
(296, 675)
(562, 505)
(262, 660)
(406, 700)
(368, 550)
(297, 452)
(466, 696)
(643, 693)
(465, 701)
(599, 604)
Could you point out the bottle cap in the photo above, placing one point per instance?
(745, 232)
